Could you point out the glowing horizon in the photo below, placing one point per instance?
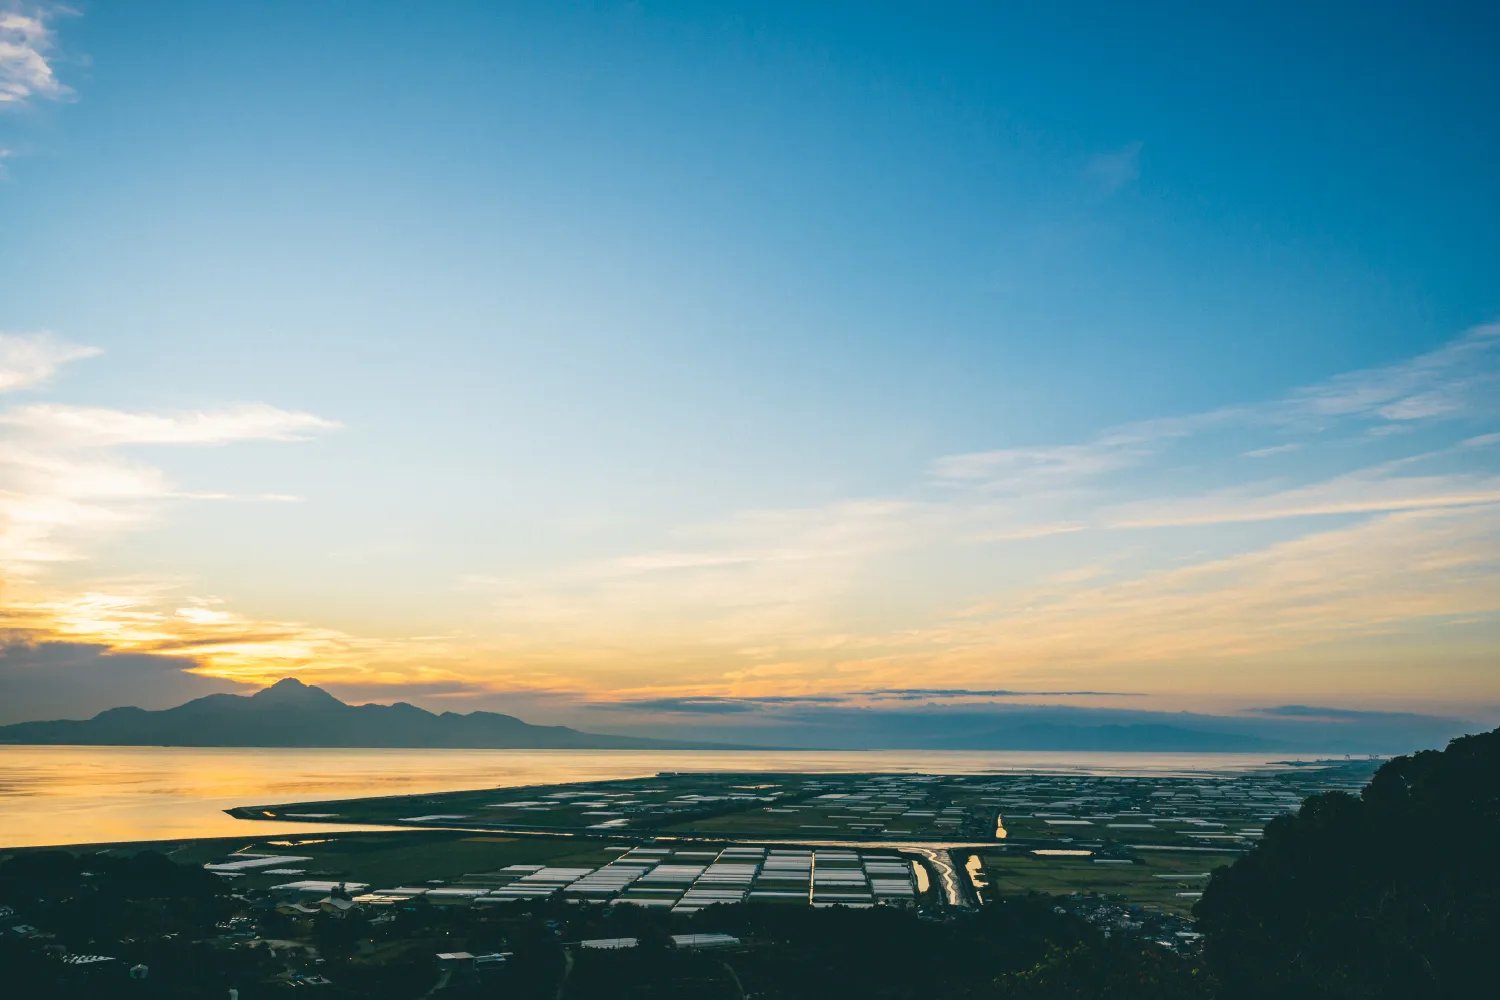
(768, 370)
(770, 602)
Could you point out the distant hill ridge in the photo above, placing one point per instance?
(290, 713)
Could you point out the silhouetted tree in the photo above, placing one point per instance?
(1395, 893)
(1122, 971)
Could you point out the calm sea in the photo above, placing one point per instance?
(89, 795)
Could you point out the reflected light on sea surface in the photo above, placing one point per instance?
(92, 795)
(975, 867)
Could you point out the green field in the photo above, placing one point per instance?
(1019, 872)
(383, 860)
(1228, 831)
(605, 806)
(1206, 810)
(857, 806)
(1161, 824)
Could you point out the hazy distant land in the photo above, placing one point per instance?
(293, 714)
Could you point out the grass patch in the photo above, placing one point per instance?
(1018, 873)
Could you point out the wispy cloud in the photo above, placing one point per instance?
(730, 705)
(1275, 449)
(154, 617)
(1461, 378)
(708, 705)
(31, 359)
(61, 480)
(27, 48)
(918, 694)
(90, 427)
(160, 618)
(1029, 471)
(1370, 578)
(1368, 491)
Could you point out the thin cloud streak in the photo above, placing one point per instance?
(89, 427)
(31, 359)
(721, 704)
(907, 694)
(1279, 449)
(1366, 579)
(1355, 494)
(1460, 378)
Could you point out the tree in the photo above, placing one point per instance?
(1124, 971)
(1395, 893)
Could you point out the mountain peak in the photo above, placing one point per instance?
(291, 691)
(290, 713)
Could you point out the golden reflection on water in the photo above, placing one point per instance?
(89, 795)
(923, 882)
(999, 827)
(975, 868)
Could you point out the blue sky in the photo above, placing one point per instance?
(576, 352)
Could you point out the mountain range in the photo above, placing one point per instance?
(293, 714)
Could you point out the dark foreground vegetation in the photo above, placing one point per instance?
(1395, 893)
(1013, 948)
(1389, 894)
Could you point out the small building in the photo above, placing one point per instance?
(336, 905)
(319, 887)
(610, 944)
(297, 910)
(456, 960)
(705, 940)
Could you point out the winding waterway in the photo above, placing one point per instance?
(89, 795)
